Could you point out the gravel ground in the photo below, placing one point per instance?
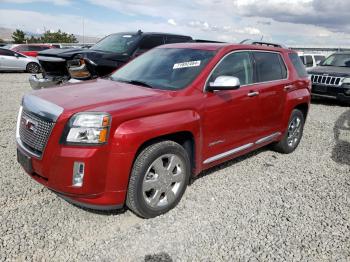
(264, 206)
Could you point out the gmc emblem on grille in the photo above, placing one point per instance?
(29, 124)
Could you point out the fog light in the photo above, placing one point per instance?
(78, 173)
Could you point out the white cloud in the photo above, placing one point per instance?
(172, 22)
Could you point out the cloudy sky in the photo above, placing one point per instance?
(292, 22)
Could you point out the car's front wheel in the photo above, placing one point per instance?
(293, 134)
(158, 179)
(33, 68)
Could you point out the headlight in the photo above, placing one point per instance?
(88, 128)
(346, 80)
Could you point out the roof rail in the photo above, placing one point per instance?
(254, 42)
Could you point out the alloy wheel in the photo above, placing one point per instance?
(163, 181)
(294, 131)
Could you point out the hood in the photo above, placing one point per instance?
(98, 95)
(69, 53)
(331, 70)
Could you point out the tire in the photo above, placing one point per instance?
(293, 134)
(158, 179)
(33, 68)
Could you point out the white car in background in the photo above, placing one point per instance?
(13, 61)
(312, 60)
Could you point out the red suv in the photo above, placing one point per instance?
(138, 137)
(31, 49)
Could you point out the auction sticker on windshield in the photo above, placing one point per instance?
(187, 64)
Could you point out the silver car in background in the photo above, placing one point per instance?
(13, 61)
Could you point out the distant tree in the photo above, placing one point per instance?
(2, 40)
(33, 39)
(58, 37)
(19, 37)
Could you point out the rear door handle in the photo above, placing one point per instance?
(253, 93)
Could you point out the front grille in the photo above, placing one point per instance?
(326, 80)
(34, 132)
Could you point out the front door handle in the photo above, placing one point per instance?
(253, 93)
(288, 87)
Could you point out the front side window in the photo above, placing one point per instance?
(165, 68)
(117, 43)
(269, 66)
(236, 64)
(22, 48)
(6, 52)
(342, 60)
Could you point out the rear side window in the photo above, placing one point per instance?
(319, 58)
(298, 65)
(309, 61)
(149, 42)
(37, 48)
(176, 39)
(269, 66)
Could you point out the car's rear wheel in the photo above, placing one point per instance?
(293, 134)
(33, 68)
(158, 179)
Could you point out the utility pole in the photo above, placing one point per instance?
(83, 31)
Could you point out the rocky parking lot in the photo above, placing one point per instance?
(261, 207)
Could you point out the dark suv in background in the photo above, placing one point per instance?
(332, 78)
(110, 53)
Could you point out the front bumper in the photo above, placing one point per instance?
(340, 93)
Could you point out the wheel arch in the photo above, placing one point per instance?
(304, 108)
(184, 138)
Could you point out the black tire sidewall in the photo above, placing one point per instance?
(140, 169)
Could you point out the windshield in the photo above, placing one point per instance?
(342, 60)
(165, 68)
(116, 43)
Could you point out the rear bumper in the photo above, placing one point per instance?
(38, 83)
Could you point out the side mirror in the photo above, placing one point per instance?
(16, 55)
(318, 62)
(224, 83)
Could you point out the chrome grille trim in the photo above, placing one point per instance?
(33, 142)
(326, 80)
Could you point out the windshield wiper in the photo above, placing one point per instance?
(133, 82)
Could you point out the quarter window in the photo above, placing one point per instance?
(299, 67)
(236, 64)
(269, 66)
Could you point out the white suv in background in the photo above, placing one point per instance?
(311, 60)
